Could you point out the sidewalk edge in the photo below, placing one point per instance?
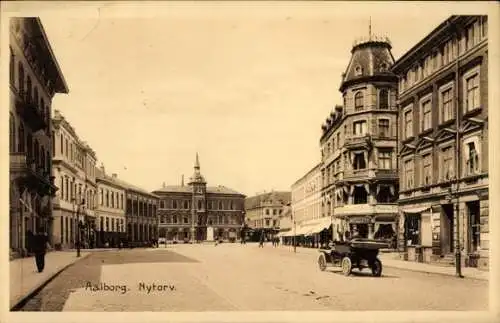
(436, 273)
(35, 290)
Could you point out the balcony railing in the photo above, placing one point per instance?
(34, 175)
(30, 113)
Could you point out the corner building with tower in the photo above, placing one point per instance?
(196, 212)
(358, 146)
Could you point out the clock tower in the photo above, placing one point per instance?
(198, 204)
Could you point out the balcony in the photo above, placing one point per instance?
(31, 176)
(358, 142)
(30, 113)
(358, 174)
(389, 174)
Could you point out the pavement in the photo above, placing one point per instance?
(25, 278)
(390, 259)
(234, 277)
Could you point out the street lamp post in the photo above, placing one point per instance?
(294, 236)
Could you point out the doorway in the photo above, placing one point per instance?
(474, 225)
(447, 228)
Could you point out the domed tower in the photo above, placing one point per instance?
(199, 189)
(359, 143)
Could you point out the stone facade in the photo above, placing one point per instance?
(35, 78)
(263, 210)
(111, 226)
(443, 104)
(76, 200)
(195, 212)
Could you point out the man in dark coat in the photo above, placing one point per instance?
(40, 248)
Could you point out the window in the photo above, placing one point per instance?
(21, 145)
(12, 66)
(408, 126)
(358, 70)
(383, 127)
(426, 115)
(383, 99)
(20, 77)
(185, 220)
(472, 161)
(408, 174)
(267, 211)
(446, 102)
(360, 195)
(359, 128)
(359, 161)
(199, 205)
(267, 222)
(359, 101)
(384, 159)
(426, 169)
(186, 206)
(174, 204)
(338, 139)
(472, 93)
(12, 133)
(274, 211)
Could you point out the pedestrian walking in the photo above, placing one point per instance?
(261, 242)
(40, 245)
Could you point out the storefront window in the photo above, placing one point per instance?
(413, 229)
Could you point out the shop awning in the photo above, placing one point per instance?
(284, 233)
(416, 209)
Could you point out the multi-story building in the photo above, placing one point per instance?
(75, 202)
(358, 145)
(110, 214)
(141, 213)
(443, 104)
(263, 211)
(197, 212)
(35, 77)
(306, 207)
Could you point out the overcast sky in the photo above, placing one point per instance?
(245, 86)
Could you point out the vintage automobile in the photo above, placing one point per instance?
(357, 253)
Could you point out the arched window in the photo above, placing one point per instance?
(12, 133)
(358, 71)
(20, 86)
(359, 101)
(383, 99)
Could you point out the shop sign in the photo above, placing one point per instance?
(360, 220)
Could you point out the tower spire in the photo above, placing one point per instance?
(197, 162)
(370, 28)
(182, 181)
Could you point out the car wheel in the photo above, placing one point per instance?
(346, 266)
(377, 268)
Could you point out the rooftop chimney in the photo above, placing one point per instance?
(114, 175)
(102, 168)
(164, 185)
(182, 182)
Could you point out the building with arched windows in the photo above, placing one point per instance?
(75, 202)
(35, 77)
(197, 212)
(443, 108)
(358, 146)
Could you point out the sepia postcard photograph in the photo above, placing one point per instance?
(250, 161)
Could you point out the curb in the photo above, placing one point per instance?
(436, 273)
(23, 300)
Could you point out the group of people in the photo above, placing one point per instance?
(274, 240)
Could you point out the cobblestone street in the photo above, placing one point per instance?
(234, 277)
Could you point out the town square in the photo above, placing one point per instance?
(244, 157)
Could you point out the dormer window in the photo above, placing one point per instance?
(358, 71)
